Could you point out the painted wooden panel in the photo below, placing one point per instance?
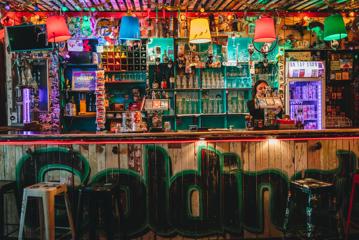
(257, 159)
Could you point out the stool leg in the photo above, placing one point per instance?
(69, 215)
(93, 213)
(2, 216)
(41, 218)
(350, 208)
(22, 216)
(309, 211)
(79, 213)
(109, 219)
(48, 200)
(287, 212)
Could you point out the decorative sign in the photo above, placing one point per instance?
(299, 56)
(84, 80)
(334, 65)
(156, 104)
(346, 63)
(75, 45)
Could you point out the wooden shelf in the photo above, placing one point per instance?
(80, 116)
(233, 89)
(244, 113)
(189, 115)
(113, 111)
(213, 114)
(79, 91)
(186, 89)
(81, 65)
(125, 82)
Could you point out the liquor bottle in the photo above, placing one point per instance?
(165, 57)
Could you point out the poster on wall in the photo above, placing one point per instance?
(75, 45)
(84, 80)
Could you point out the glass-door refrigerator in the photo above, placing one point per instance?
(305, 93)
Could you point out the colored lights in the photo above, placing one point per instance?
(7, 7)
(26, 105)
(130, 28)
(199, 31)
(334, 28)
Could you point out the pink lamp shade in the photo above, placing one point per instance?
(2, 34)
(57, 30)
(264, 30)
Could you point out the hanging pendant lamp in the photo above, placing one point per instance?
(199, 31)
(264, 30)
(57, 30)
(334, 28)
(130, 28)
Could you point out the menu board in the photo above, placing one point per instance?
(84, 80)
(305, 69)
(156, 104)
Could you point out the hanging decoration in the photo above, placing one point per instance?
(50, 121)
(87, 26)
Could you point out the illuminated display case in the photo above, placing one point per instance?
(305, 93)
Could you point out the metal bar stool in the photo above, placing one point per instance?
(47, 192)
(99, 197)
(313, 189)
(351, 202)
(6, 186)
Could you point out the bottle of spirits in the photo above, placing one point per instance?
(165, 57)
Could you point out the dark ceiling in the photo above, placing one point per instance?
(183, 5)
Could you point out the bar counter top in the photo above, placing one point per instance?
(167, 137)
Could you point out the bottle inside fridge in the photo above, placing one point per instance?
(305, 103)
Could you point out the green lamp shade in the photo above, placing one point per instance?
(334, 28)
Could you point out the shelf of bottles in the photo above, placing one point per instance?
(203, 93)
(339, 89)
(305, 103)
(123, 58)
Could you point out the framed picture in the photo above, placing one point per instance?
(83, 80)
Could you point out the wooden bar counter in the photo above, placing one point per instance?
(177, 185)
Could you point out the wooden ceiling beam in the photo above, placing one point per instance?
(246, 5)
(192, 4)
(217, 4)
(238, 5)
(232, 4)
(114, 5)
(314, 6)
(224, 5)
(199, 4)
(274, 5)
(308, 4)
(208, 4)
(300, 3)
(121, 5)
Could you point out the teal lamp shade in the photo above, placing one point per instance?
(130, 28)
(334, 28)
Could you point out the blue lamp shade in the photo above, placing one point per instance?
(130, 28)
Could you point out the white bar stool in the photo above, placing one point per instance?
(47, 192)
